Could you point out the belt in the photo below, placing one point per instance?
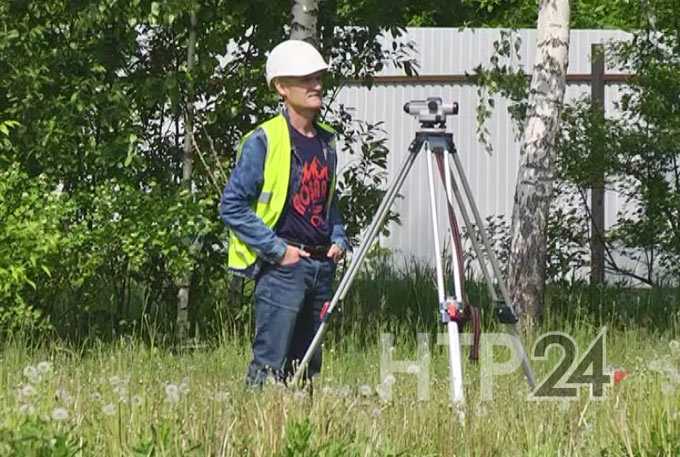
(315, 250)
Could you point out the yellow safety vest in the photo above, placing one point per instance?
(272, 200)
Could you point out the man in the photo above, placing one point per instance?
(285, 228)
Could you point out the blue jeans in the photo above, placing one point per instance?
(288, 304)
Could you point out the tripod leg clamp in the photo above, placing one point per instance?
(505, 313)
(451, 310)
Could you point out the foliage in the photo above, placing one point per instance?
(30, 237)
(503, 78)
(36, 438)
(99, 93)
(638, 153)
(638, 149)
(131, 398)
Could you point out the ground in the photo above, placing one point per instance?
(138, 398)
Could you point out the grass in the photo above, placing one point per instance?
(134, 398)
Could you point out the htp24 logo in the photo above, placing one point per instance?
(573, 369)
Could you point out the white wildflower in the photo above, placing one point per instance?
(365, 390)
(674, 346)
(221, 396)
(184, 386)
(32, 374)
(122, 392)
(172, 393)
(299, 395)
(59, 414)
(109, 409)
(327, 390)
(44, 367)
(383, 391)
(26, 391)
(413, 369)
(27, 409)
(668, 389)
(344, 391)
(389, 380)
(64, 396)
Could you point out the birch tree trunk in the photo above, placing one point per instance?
(304, 21)
(184, 283)
(533, 191)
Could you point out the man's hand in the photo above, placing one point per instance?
(335, 253)
(292, 255)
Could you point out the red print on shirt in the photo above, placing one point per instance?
(309, 200)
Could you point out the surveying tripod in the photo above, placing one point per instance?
(438, 144)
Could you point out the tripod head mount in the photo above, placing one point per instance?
(431, 113)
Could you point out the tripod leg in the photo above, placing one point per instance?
(455, 193)
(358, 257)
(528, 372)
(455, 366)
(480, 224)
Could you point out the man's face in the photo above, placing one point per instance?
(301, 93)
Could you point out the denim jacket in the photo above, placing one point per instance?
(243, 189)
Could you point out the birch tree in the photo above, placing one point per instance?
(184, 283)
(534, 186)
(304, 21)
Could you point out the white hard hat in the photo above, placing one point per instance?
(294, 58)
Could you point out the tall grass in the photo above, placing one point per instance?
(136, 396)
(133, 399)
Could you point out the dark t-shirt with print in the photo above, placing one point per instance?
(304, 219)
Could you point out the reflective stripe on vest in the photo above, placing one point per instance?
(272, 199)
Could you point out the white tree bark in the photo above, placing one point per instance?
(304, 22)
(533, 191)
(184, 282)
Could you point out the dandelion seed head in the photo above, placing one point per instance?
(27, 409)
(413, 369)
(299, 395)
(44, 367)
(221, 396)
(365, 390)
(59, 414)
(63, 396)
(674, 346)
(32, 374)
(26, 391)
(122, 391)
(660, 365)
(383, 392)
(376, 412)
(136, 400)
(668, 388)
(344, 391)
(172, 393)
(109, 409)
(96, 396)
(389, 380)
